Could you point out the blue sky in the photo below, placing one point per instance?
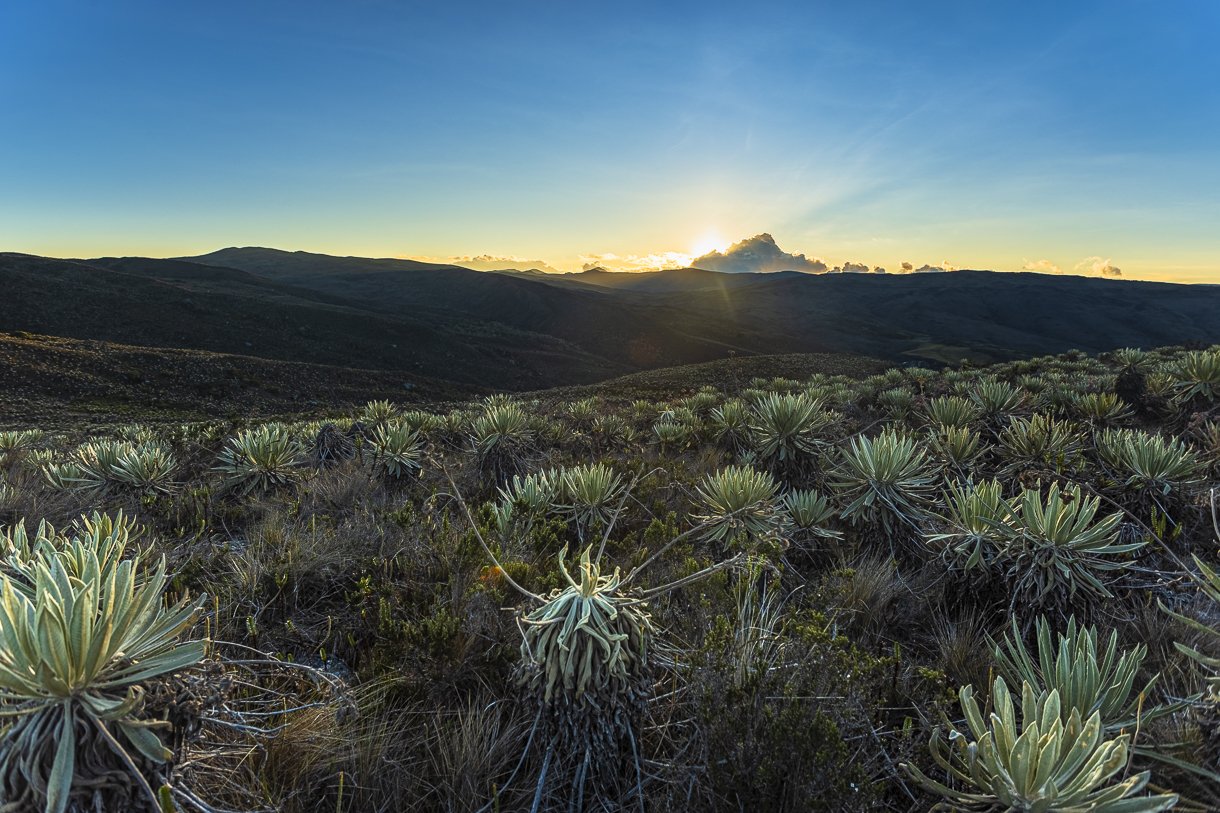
(992, 135)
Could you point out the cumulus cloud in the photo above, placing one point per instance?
(907, 268)
(1096, 266)
(1042, 267)
(758, 254)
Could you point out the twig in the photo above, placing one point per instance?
(483, 543)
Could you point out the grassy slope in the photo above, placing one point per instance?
(47, 381)
(728, 374)
(380, 580)
(157, 303)
(53, 382)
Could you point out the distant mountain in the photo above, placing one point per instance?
(661, 318)
(274, 263)
(981, 315)
(623, 328)
(522, 330)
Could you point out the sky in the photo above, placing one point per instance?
(1076, 137)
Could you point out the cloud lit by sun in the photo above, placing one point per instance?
(709, 241)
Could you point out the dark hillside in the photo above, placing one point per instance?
(50, 382)
(222, 311)
(690, 315)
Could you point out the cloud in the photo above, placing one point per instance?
(758, 254)
(489, 262)
(635, 262)
(909, 268)
(1096, 266)
(944, 265)
(1042, 267)
(856, 268)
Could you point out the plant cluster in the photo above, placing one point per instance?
(1001, 578)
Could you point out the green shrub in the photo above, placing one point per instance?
(535, 493)
(145, 469)
(671, 435)
(260, 459)
(1132, 358)
(731, 424)
(85, 631)
(501, 436)
(785, 427)
(897, 402)
(1150, 463)
(809, 516)
(884, 480)
(422, 422)
(1053, 761)
(1197, 375)
(738, 504)
(995, 398)
(1087, 677)
(957, 447)
(68, 476)
(1040, 441)
(976, 523)
(581, 413)
(1056, 552)
(397, 449)
(952, 411)
(764, 744)
(1100, 408)
(378, 413)
(18, 441)
(99, 458)
(590, 494)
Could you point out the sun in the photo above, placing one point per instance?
(710, 241)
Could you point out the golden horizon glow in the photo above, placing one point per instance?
(711, 240)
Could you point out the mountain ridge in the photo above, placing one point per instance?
(516, 330)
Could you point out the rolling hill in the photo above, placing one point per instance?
(174, 304)
(691, 315)
(423, 323)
